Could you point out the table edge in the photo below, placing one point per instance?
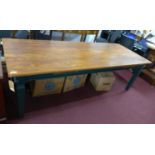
(72, 71)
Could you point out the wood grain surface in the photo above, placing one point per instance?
(33, 57)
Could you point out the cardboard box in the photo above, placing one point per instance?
(74, 82)
(152, 70)
(151, 56)
(148, 75)
(47, 86)
(102, 81)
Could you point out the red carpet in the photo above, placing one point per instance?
(87, 106)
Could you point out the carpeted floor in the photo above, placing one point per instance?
(87, 106)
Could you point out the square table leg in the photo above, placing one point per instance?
(20, 95)
(136, 72)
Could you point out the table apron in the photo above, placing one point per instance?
(45, 76)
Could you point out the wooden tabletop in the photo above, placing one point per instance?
(32, 57)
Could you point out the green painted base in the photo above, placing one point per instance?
(20, 82)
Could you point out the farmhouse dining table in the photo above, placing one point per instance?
(28, 60)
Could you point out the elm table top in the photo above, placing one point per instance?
(34, 57)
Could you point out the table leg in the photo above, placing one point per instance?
(63, 36)
(20, 94)
(136, 72)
